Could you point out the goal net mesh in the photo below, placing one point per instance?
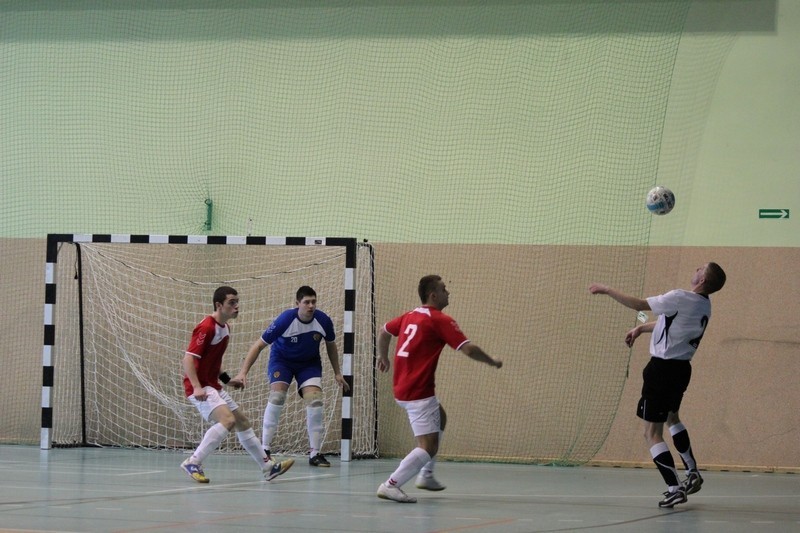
(120, 383)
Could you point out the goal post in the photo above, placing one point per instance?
(119, 312)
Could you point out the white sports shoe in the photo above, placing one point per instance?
(278, 469)
(393, 493)
(428, 483)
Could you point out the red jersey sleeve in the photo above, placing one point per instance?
(448, 330)
(393, 326)
(202, 335)
(207, 347)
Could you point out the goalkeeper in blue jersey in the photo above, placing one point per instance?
(294, 354)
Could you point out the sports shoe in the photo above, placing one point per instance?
(394, 493)
(318, 460)
(673, 498)
(278, 469)
(693, 482)
(195, 471)
(269, 455)
(428, 483)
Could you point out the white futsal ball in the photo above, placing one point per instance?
(660, 200)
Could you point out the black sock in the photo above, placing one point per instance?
(684, 447)
(666, 466)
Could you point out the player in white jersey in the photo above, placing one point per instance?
(682, 320)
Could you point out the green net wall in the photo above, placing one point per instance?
(524, 122)
(517, 139)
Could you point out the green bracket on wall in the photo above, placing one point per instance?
(209, 210)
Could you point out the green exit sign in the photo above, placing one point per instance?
(773, 213)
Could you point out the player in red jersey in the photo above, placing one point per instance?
(201, 365)
(422, 334)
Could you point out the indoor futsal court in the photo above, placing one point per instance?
(124, 490)
(563, 169)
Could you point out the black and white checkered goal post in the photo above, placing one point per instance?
(54, 242)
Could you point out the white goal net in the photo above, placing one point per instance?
(124, 317)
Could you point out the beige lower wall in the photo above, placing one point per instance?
(742, 408)
(21, 339)
(517, 302)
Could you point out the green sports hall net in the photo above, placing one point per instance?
(506, 144)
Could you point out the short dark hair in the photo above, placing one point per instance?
(222, 293)
(304, 291)
(427, 285)
(715, 278)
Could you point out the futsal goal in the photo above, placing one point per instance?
(120, 310)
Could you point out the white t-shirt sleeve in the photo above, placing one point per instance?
(664, 304)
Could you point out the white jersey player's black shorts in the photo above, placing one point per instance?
(665, 381)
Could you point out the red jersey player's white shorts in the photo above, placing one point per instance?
(214, 399)
(423, 414)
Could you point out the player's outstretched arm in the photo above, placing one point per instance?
(632, 302)
(474, 352)
(239, 381)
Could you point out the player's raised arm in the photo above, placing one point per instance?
(632, 302)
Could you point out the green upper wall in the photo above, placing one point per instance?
(525, 123)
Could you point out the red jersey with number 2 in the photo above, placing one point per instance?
(421, 336)
(209, 340)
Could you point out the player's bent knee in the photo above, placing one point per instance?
(227, 420)
(431, 448)
(313, 398)
(277, 397)
(242, 423)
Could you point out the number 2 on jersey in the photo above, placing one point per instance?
(410, 331)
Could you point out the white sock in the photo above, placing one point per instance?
(314, 424)
(409, 467)
(272, 415)
(211, 441)
(253, 446)
(427, 470)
